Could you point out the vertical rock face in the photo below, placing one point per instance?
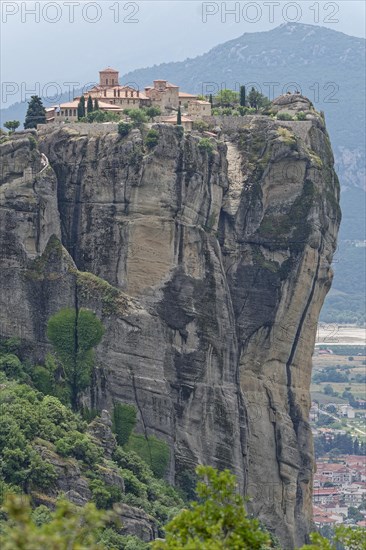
(208, 270)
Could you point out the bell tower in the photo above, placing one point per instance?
(108, 78)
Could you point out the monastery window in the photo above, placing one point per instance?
(106, 81)
(58, 113)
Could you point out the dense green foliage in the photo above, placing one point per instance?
(73, 335)
(36, 113)
(100, 116)
(243, 99)
(124, 421)
(137, 116)
(257, 100)
(205, 145)
(217, 521)
(11, 125)
(68, 527)
(226, 98)
(151, 139)
(124, 128)
(36, 429)
(154, 451)
(27, 416)
(152, 112)
(179, 116)
(284, 116)
(81, 108)
(89, 105)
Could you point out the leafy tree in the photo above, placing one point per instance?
(211, 99)
(151, 139)
(104, 495)
(73, 335)
(257, 100)
(179, 117)
(89, 106)
(79, 446)
(152, 112)
(242, 96)
(227, 98)
(12, 125)
(96, 104)
(11, 365)
(81, 108)
(36, 113)
(69, 527)
(124, 421)
(124, 128)
(138, 116)
(206, 145)
(217, 521)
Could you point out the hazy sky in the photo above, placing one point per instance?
(72, 40)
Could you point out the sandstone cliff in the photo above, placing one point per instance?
(208, 270)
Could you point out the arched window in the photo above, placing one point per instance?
(106, 81)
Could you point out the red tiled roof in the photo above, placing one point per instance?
(184, 94)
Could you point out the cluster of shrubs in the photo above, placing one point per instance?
(32, 421)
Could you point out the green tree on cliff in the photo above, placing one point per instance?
(257, 100)
(67, 527)
(73, 334)
(152, 112)
(242, 96)
(36, 113)
(12, 125)
(96, 104)
(89, 106)
(81, 108)
(227, 98)
(179, 117)
(218, 521)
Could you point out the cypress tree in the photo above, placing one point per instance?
(81, 107)
(242, 96)
(96, 104)
(36, 113)
(89, 107)
(179, 117)
(211, 99)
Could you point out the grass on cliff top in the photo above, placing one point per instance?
(92, 287)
